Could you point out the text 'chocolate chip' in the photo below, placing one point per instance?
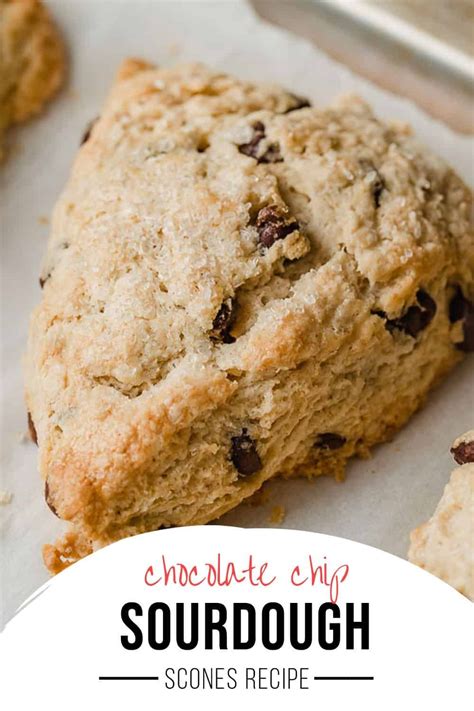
(244, 455)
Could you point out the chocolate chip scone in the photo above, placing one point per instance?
(444, 545)
(32, 60)
(237, 286)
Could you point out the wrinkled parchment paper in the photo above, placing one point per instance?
(383, 498)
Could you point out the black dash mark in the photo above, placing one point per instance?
(343, 678)
(128, 678)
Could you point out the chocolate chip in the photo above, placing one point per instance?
(426, 302)
(43, 280)
(457, 305)
(461, 308)
(464, 452)
(47, 498)
(467, 344)
(202, 144)
(271, 155)
(330, 440)
(415, 319)
(378, 184)
(273, 225)
(87, 133)
(32, 429)
(244, 455)
(223, 322)
(251, 149)
(299, 102)
(411, 322)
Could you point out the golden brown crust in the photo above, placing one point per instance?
(67, 550)
(235, 288)
(32, 60)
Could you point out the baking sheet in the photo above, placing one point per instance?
(441, 32)
(383, 498)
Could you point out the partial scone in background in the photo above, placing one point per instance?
(32, 61)
(237, 286)
(444, 545)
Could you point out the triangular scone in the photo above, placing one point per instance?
(444, 545)
(237, 285)
(32, 60)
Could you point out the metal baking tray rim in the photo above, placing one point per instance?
(422, 42)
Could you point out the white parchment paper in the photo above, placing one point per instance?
(383, 498)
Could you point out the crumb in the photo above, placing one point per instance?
(5, 497)
(43, 220)
(277, 515)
